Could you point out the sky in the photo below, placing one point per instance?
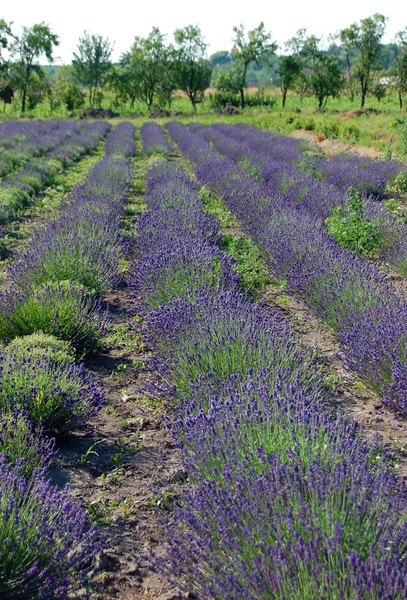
(121, 21)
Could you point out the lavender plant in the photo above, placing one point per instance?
(22, 445)
(48, 549)
(58, 396)
(38, 345)
(154, 140)
(63, 309)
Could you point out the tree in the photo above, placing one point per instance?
(92, 64)
(66, 89)
(5, 38)
(321, 69)
(146, 67)
(400, 64)
(250, 49)
(34, 43)
(365, 38)
(193, 70)
(124, 85)
(223, 57)
(288, 70)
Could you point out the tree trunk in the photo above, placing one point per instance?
(241, 91)
(284, 98)
(400, 101)
(23, 101)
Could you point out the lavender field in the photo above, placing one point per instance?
(203, 367)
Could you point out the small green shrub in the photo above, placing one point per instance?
(40, 345)
(308, 165)
(400, 182)
(14, 198)
(60, 397)
(34, 182)
(351, 229)
(309, 124)
(351, 133)
(330, 130)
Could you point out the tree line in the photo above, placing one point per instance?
(152, 69)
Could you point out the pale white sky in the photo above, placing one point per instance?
(120, 21)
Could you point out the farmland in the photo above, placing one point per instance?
(203, 364)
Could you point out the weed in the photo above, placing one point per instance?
(351, 229)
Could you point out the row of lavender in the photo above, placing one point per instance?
(347, 291)
(369, 176)
(279, 161)
(65, 144)
(286, 500)
(21, 140)
(50, 318)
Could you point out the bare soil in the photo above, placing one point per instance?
(335, 146)
(114, 468)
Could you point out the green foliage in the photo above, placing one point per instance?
(34, 42)
(312, 70)
(193, 70)
(288, 71)
(365, 39)
(260, 98)
(5, 37)
(66, 90)
(351, 133)
(308, 165)
(248, 49)
(351, 229)
(250, 265)
(330, 129)
(400, 64)
(14, 197)
(39, 345)
(147, 70)
(400, 182)
(19, 443)
(403, 136)
(92, 64)
(54, 395)
(63, 309)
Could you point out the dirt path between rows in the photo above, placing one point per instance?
(335, 146)
(112, 470)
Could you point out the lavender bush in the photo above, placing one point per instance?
(60, 396)
(154, 140)
(22, 445)
(63, 309)
(48, 549)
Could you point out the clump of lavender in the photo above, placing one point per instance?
(21, 444)
(59, 396)
(154, 140)
(292, 530)
(62, 309)
(288, 500)
(223, 334)
(178, 269)
(80, 246)
(47, 547)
